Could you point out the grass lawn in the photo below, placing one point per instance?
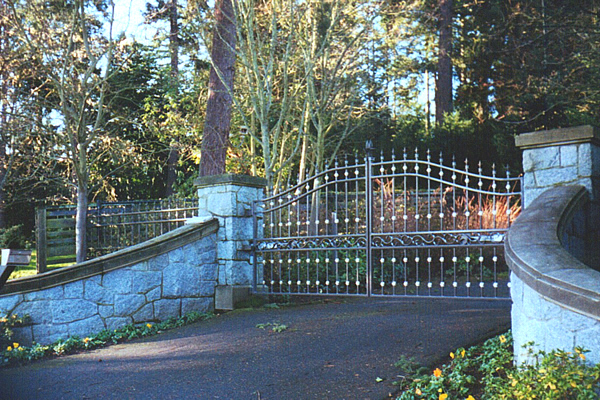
(21, 272)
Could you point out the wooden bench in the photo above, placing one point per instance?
(10, 260)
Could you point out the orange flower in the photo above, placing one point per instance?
(86, 340)
(437, 372)
(418, 392)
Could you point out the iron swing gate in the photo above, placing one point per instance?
(403, 227)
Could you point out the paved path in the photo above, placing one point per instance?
(331, 350)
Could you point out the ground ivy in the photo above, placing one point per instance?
(13, 352)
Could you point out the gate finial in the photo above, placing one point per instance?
(369, 148)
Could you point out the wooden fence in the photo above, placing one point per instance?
(111, 226)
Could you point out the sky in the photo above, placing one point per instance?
(129, 19)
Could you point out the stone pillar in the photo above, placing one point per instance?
(569, 156)
(229, 198)
(559, 157)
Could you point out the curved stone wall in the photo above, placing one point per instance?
(168, 276)
(556, 298)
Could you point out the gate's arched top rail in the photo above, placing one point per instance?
(389, 169)
(405, 226)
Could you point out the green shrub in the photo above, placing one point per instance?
(13, 238)
(554, 375)
(11, 352)
(488, 372)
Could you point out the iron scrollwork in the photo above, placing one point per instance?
(437, 239)
(337, 242)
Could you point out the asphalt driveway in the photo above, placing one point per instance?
(330, 350)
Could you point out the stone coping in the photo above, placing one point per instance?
(534, 252)
(119, 259)
(558, 137)
(230, 179)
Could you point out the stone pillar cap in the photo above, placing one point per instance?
(557, 137)
(230, 179)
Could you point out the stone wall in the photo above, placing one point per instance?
(165, 277)
(553, 249)
(549, 324)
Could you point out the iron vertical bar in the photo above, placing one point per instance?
(382, 199)
(393, 220)
(368, 222)
(429, 259)
(356, 223)
(254, 240)
(417, 216)
(405, 219)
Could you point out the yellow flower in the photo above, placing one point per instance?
(443, 396)
(470, 398)
(418, 392)
(502, 339)
(452, 355)
(437, 372)
(16, 345)
(149, 325)
(86, 340)
(582, 356)
(573, 384)
(462, 353)
(9, 348)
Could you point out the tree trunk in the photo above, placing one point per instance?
(174, 43)
(215, 138)
(172, 162)
(173, 159)
(81, 223)
(443, 83)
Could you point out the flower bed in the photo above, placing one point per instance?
(12, 352)
(488, 372)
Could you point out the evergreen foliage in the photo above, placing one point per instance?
(314, 80)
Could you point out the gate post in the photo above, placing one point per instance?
(567, 156)
(558, 157)
(229, 198)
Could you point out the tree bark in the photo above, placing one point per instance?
(174, 42)
(173, 158)
(215, 140)
(443, 83)
(172, 162)
(81, 223)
